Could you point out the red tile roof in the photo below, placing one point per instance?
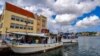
(19, 10)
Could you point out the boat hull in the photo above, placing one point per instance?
(74, 40)
(69, 40)
(33, 48)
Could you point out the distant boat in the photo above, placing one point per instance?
(31, 43)
(69, 38)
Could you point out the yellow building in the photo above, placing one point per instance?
(16, 19)
(41, 23)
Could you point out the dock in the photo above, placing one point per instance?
(2, 46)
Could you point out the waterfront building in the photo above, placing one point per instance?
(41, 23)
(97, 34)
(17, 19)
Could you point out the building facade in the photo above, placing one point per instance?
(16, 19)
(41, 23)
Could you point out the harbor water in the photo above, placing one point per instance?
(87, 46)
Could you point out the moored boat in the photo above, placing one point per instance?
(69, 38)
(32, 43)
(32, 48)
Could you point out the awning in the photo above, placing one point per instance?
(30, 34)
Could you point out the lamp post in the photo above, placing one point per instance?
(26, 22)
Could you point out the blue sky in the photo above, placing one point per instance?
(96, 12)
(0, 6)
(72, 15)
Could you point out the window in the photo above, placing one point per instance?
(21, 19)
(21, 26)
(30, 28)
(24, 27)
(12, 25)
(17, 19)
(16, 26)
(30, 21)
(13, 17)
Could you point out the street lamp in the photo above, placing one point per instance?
(26, 22)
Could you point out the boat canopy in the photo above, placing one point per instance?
(30, 34)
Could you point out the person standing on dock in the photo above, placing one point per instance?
(49, 40)
(37, 41)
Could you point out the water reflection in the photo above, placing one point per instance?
(71, 50)
(87, 46)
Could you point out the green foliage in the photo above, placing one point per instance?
(86, 33)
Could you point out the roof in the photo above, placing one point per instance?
(18, 10)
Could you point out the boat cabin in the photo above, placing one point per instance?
(69, 36)
(28, 38)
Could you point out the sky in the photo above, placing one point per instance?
(64, 15)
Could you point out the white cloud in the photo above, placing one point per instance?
(66, 10)
(43, 3)
(65, 19)
(69, 28)
(88, 21)
(31, 8)
(53, 27)
(60, 6)
(75, 6)
(0, 12)
(65, 6)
